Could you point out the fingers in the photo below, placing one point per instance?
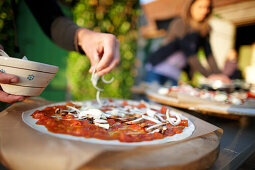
(110, 68)
(93, 61)
(220, 77)
(8, 78)
(109, 52)
(8, 98)
(103, 51)
(114, 63)
(5, 97)
(226, 79)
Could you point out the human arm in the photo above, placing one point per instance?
(101, 48)
(170, 44)
(197, 66)
(216, 73)
(5, 97)
(193, 60)
(190, 45)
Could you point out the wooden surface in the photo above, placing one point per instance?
(198, 153)
(241, 13)
(195, 153)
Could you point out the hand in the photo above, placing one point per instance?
(5, 97)
(220, 77)
(101, 48)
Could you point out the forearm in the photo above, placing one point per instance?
(60, 29)
(197, 66)
(230, 67)
(162, 53)
(213, 65)
(64, 33)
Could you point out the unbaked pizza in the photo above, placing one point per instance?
(113, 121)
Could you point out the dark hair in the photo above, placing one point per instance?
(203, 26)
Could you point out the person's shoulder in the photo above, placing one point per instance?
(178, 27)
(178, 21)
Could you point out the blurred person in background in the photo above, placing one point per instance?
(185, 36)
(101, 48)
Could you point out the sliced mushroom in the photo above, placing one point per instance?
(125, 119)
(58, 111)
(139, 120)
(151, 119)
(157, 126)
(160, 118)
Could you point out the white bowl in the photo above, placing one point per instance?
(33, 76)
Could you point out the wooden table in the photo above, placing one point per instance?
(195, 153)
(237, 143)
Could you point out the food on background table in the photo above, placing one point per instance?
(236, 98)
(122, 120)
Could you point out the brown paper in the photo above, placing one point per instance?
(22, 147)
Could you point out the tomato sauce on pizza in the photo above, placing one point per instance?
(123, 121)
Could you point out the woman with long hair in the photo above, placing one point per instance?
(186, 35)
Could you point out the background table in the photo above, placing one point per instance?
(237, 143)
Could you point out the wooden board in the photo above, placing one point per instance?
(202, 106)
(199, 153)
(195, 153)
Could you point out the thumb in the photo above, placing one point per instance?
(8, 78)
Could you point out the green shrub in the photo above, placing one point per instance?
(7, 27)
